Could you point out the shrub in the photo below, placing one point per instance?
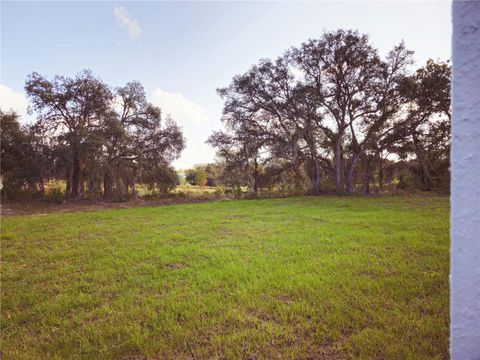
(55, 195)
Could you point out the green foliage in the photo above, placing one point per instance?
(102, 141)
(55, 195)
(296, 278)
(190, 176)
(201, 177)
(166, 178)
(204, 175)
(24, 159)
(333, 109)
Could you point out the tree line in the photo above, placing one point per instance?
(328, 115)
(333, 113)
(100, 140)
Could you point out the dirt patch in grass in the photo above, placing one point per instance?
(174, 266)
(42, 207)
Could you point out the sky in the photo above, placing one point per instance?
(183, 51)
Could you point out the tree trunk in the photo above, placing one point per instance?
(380, 172)
(366, 183)
(134, 193)
(316, 173)
(366, 176)
(426, 177)
(351, 172)
(42, 185)
(75, 177)
(298, 184)
(134, 178)
(68, 180)
(369, 167)
(296, 167)
(338, 164)
(81, 185)
(93, 186)
(316, 190)
(255, 176)
(107, 185)
(121, 188)
(424, 171)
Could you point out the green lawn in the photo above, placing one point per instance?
(325, 277)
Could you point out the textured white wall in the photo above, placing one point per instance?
(465, 215)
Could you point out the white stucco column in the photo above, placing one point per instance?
(465, 213)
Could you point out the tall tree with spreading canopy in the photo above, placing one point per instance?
(426, 127)
(332, 106)
(355, 93)
(103, 137)
(73, 107)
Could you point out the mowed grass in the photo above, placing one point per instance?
(297, 278)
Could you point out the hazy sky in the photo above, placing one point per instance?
(182, 51)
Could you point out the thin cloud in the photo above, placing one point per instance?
(125, 21)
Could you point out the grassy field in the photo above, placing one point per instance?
(300, 278)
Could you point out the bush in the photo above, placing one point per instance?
(219, 191)
(201, 177)
(55, 195)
